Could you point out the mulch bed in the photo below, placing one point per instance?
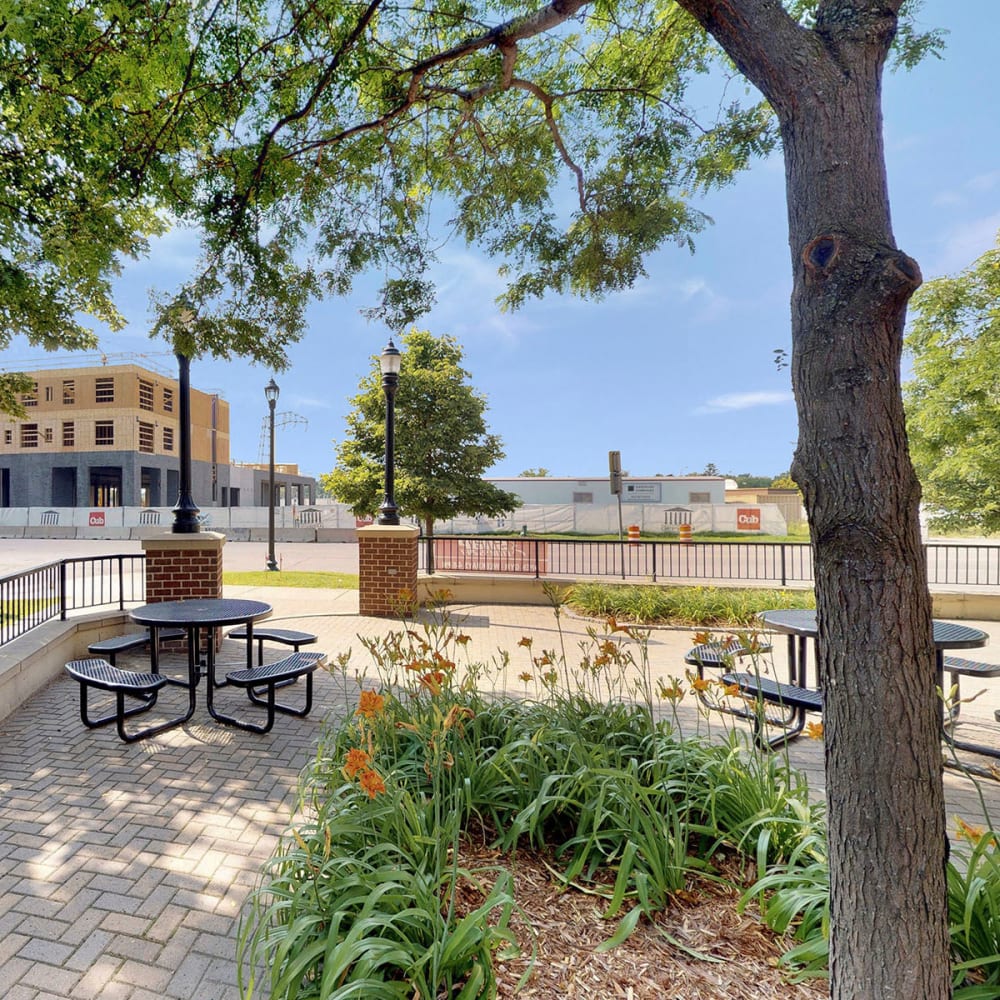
(561, 930)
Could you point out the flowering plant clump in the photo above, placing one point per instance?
(582, 760)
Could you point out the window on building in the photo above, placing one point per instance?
(48, 393)
(583, 498)
(145, 438)
(145, 395)
(69, 391)
(8, 436)
(104, 432)
(29, 435)
(48, 435)
(168, 400)
(168, 439)
(104, 390)
(30, 398)
(69, 434)
(699, 497)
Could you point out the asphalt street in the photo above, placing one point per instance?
(18, 554)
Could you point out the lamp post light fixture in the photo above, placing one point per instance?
(271, 395)
(390, 363)
(185, 511)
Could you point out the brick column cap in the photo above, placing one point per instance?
(401, 531)
(195, 540)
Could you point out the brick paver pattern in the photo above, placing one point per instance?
(123, 868)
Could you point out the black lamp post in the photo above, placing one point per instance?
(271, 395)
(185, 510)
(390, 362)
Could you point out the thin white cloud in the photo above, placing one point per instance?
(961, 245)
(743, 401)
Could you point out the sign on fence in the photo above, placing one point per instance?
(490, 555)
(748, 519)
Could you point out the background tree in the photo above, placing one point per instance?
(953, 402)
(784, 482)
(538, 473)
(442, 444)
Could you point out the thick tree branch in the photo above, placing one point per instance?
(547, 100)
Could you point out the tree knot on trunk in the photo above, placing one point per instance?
(820, 255)
(903, 272)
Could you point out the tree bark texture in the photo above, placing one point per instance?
(889, 931)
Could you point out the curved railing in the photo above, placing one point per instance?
(34, 596)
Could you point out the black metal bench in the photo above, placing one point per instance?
(958, 667)
(800, 700)
(271, 676)
(288, 637)
(98, 673)
(721, 655)
(110, 648)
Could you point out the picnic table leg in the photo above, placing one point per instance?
(949, 737)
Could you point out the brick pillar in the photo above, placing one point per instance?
(182, 566)
(387, 566)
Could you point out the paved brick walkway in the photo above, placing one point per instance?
(123, 868)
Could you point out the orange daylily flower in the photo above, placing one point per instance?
(370, 704)
(356, 761)
(814, 730)
(371, 783)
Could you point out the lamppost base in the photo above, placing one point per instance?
(388, 515)
(272, 566)
(186, 520)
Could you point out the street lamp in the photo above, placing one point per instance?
(271, 395)
(185, 510)
(390, 363)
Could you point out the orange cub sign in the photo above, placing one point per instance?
(748, 518)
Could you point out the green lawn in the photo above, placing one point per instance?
(268, 578)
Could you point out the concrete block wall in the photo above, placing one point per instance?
(387, 567)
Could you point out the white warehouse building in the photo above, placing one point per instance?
(657, 504)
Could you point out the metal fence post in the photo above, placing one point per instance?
(784, 581)
(62, 591)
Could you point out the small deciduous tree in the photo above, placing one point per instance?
(442, 448)
(953, 401)
(539, 473)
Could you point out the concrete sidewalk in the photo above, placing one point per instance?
(123, 868)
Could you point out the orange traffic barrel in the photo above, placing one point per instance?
(684, 532)
(633, 532)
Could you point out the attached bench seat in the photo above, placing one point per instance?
(721, 654)
(287, 636)
(132, 640)
(958, 667)
(271, 676)
(800, 700)
(98, 673)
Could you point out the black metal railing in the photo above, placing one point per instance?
(34, 596)
(780, 563)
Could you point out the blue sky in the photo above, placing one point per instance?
(674, 373)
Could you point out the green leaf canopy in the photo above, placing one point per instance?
(442, 443)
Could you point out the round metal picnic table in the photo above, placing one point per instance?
(799, 624)
(194, 615)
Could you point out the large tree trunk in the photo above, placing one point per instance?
(851, 285)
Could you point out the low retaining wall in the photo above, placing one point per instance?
(31, 661)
